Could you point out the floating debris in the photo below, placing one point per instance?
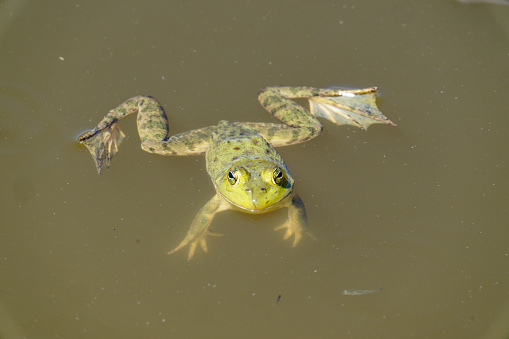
(361, 292)
(496, 2)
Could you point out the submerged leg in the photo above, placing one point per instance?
(199, 230)
(297, 222)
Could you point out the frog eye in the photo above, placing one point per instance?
(277, 175)
(233, 177)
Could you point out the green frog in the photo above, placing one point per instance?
(247, 172)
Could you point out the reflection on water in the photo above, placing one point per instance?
(419, 208)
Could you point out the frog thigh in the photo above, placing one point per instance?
(282, 135)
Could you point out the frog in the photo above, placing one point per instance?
(248, 174)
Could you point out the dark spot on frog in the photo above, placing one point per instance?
(267, 151)
(236, 148)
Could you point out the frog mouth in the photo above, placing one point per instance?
(257, 208)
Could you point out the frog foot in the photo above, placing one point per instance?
(349, 107)
(194, 241)
(291, 229)
(103, 144)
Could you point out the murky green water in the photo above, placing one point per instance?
(419, 208)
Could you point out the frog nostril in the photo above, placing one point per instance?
(248, 190)
(263, 189)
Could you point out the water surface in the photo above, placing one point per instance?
(419, 208)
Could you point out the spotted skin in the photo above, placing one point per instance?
(247, 172)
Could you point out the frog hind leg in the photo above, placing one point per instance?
(103, 141)
(355, 107)
(298, 124)
(297, 222)
(199, 230)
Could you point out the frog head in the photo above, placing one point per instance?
(255, 185)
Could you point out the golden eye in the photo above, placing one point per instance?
(233, 177)
(277, 175)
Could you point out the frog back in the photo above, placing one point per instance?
(231, 142)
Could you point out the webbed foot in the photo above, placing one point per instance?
(349, 107)
(297, 222)
(199, 230)
(103, 144)
(291, 230)
(294, 230)
(193, 242)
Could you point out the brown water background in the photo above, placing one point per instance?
(420, 208)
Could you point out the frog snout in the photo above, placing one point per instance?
(257, 197)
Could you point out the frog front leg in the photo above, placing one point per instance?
(297, 222)
(199, 230)
(104, 139)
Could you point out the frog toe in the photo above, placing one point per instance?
(203, 243)
(192, 248)
(291, 230)
(201, 239)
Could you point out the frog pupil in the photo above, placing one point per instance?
(278, 175)
(232, 178)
